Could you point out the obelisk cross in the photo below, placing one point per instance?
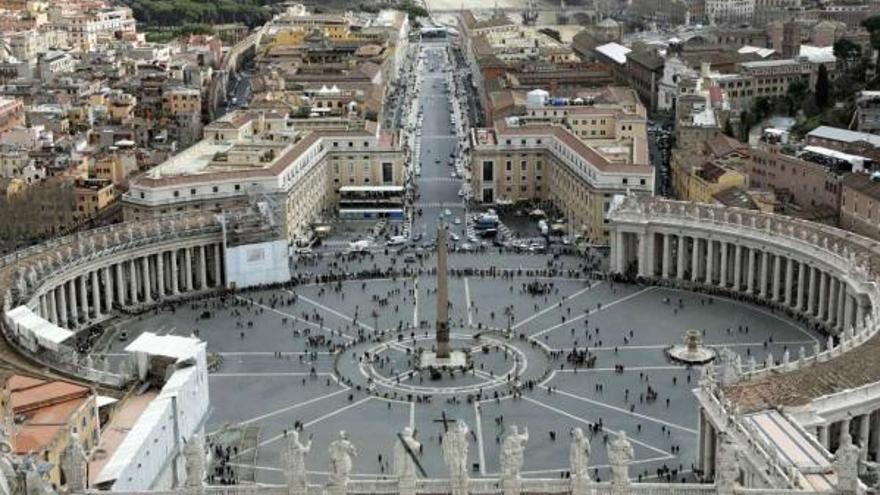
(442, 296)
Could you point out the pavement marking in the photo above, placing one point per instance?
(270, 374)
(416, 302)
(291, 408)
(479, 424)
(600, 466)
(624, 411)
(666, 455)
(412, 415)
(556, 305)
(592, 312)
(628, 347)
(627, 368)
(467, 298)
(297, 318)
(759, 309)
(263, 353)
(307, 424)
(331, 311)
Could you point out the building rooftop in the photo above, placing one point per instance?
(46, 406)
(864, 184)
(843, 135)
(614, 51)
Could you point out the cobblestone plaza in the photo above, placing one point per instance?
(277, 370)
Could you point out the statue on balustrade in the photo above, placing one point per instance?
(341, 453)
(404, 450)
(455, 453)
(579, 458)
(620, 454)
(294, 461)
(513, 450)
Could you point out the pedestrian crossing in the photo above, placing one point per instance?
(438, 179)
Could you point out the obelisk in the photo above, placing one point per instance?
(442, 296)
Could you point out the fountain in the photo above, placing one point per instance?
(692, 351)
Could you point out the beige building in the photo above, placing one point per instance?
(548, 162)
(93, 195)
(860, 205)
(253, 155)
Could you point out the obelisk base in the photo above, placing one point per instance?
(456, 360)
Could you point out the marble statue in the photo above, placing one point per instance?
(73, 463)
(455, 453)
(404, 450)
(727, 473)
(293, 459)
(579, 459)
(513, 449)
(194, 457)
(341, 452)
(620, 454)
(846, 465)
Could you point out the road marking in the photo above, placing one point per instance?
(297, 318)
(269, 374)
(307, 424)
(589, 423)
(416, 302)
(628, 368)
(412, 415)
(664, 346)
(624, 411)
(467, 297)
(592, 312)
(291, 408)
(556, 305)
(331, 310)
(479, 424)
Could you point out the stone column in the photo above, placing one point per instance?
(848, 311)
(861, 311)
(643, 255)
(187, 265)
(108, 289)
(844, 429)
(750, 274)
(73, 317)
(84, 297)
(822, 435)
(710, 261)
(841, 305)
(811, 295)
(618, 257)
(823, 282)
(160, 274)
(120, 285)
(803, 271)
(133, 282)
(148, 296)
(737, 268)
(203, 268)
(777, 278)
(175, 273)
(44, 311)
(789, 282)
(62, 304)
(667, 256)
(96, 294)
(832, 301)
(52, 306)
(765, 269)
(874, 435)
(864, 432)
(218, 265)
(695, 260)
(723, 276)
(681, 252)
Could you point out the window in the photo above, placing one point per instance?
(625, 180)
(176, 194)
(508, 165)
(523, 165)
(192, 192)
(238, 187)
(215, 189)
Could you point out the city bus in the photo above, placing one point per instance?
(369, 202)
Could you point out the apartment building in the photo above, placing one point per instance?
(247, 155)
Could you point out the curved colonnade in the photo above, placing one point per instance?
(74, 282)
(821, 275)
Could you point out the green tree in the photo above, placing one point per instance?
(795, 94)
(846, 50)
(728, 129)
(822, 87)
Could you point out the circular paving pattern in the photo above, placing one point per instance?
(579, 352)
